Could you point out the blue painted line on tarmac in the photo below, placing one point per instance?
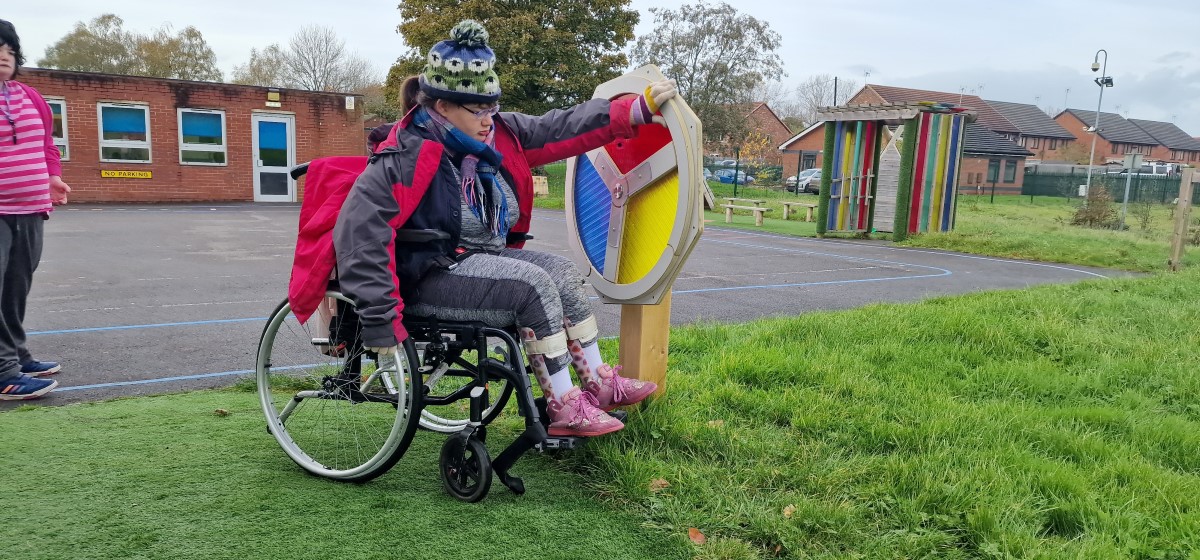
(173, 378)
(148, 326)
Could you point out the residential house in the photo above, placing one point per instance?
(873, 94)
(760, 120)
(1174, 145)
(1117, 136)
(988, 149)
(1037, 131)
(803, 150)
(991, 161)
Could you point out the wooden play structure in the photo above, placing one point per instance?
(634, 213)
(911, 174)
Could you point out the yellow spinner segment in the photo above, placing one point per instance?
(649, 220)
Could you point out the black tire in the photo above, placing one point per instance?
(466, 468)
(324, 405)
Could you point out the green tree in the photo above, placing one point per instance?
(718, 57)
(185, 56)
(549, 53)
(103, 45)
(265, 68)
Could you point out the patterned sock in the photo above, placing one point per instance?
(587, 360)
(538, 363)
(560, 382)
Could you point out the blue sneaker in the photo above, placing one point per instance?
(23, 387)
(39, 369)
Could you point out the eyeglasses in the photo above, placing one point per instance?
(483, 113)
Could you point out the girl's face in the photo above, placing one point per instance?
(474, 119)
(8, 62)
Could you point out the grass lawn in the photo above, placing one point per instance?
(1055, 422)
(1040, 230)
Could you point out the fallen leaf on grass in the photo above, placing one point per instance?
(696, 536)
(716, 423)
(659, 484)
(789, 511)
(221, 412)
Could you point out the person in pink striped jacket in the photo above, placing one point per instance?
(30, 185)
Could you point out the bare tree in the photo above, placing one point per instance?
(317, 60)
(102, 45)
(818, 91)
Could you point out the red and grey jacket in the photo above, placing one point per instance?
(409, 183)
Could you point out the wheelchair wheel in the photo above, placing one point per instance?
(336, 412)
(453, 417)
(466, 468)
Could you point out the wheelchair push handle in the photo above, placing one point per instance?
(299, 170)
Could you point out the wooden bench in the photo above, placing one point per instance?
(787, 208)
(758, 212)
(744, 201)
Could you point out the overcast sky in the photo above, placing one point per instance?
(1023, 51)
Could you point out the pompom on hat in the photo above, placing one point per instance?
(461, 69)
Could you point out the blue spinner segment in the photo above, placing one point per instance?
(593, 210)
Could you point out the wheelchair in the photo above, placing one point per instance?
(346, 414)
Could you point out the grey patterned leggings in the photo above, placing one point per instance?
(530, 289)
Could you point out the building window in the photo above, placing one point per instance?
(1054, 143)
(1115, 148)
(124, 133)
(58, 109)
(1010, 171)
(201, 137)
(993, 170)
(1037, 143)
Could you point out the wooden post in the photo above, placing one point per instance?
(645, 332)
(1183, 209)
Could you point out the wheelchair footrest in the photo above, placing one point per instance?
(619, 415)
(556, 443)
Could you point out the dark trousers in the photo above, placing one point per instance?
(20, 252)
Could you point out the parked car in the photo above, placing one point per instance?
(708, 175)
(726, 176)
(808, 180)
(726, 163)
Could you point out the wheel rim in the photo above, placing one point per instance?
(340, 417)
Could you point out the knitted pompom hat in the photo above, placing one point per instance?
(461, 69)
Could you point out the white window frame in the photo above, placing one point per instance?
(203, 147)
(64, 141)
(145, 107)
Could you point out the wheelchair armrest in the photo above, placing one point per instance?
(516, 237)
(420, 235)
(299, 170)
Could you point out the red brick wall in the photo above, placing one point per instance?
(973, 175)
(323, 127)
(812, 142)
(764, 121)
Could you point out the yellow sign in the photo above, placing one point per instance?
(124, 174)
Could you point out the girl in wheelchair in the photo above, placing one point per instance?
(457, 164)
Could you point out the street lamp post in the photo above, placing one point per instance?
(1103, 81)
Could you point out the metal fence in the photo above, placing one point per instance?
(1152, 188)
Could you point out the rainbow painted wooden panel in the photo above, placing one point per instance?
(855, 161)
(935, 172)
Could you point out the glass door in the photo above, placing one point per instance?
(274, 156)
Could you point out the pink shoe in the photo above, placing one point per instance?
(576, 415)
(613, 390)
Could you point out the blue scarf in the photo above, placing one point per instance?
(480, 190)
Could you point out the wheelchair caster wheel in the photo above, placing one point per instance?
(466, 468)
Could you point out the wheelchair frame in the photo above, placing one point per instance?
(406, 383)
